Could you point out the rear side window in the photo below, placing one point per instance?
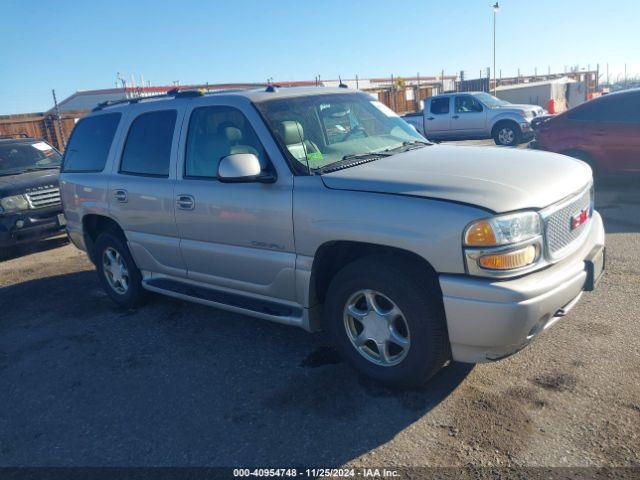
(440, 106)
(89, 144)
(147, 150)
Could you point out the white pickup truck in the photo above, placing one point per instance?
(474, 115)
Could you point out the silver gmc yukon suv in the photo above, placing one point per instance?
(321, 208)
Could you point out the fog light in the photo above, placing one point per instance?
(509, 261)
(20, 224)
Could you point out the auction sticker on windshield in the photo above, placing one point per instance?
(43, 147)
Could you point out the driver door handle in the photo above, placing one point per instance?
(186, 202)
(430, 118)
(120, 195)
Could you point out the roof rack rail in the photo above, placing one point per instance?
(174, 92)
(271, 88)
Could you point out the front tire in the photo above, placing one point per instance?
(117, 272)
(386, 318)
(507, 134)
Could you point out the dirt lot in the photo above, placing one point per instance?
(83, 383)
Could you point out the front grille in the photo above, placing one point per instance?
(559, 235)
(44, 198)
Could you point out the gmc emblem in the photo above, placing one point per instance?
(580, 218)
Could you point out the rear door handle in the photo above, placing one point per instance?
(120, 195)
(186, 202)
(456, 116)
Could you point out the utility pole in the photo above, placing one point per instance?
(58, 119)
(625, 75)
(496, 8)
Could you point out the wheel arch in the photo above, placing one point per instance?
(503, 121)
(94, 224)
(332, 256)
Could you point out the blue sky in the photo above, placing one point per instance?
(75, 45)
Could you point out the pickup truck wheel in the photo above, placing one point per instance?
(507, 134)
(118, 273)
(387, 321)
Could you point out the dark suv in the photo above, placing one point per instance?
(30, 207)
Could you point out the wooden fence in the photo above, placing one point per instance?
(403, 100)
(41, 125)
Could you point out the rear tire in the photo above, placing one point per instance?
(507, 134)
(418, 324)
(117, 272)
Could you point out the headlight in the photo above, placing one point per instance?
(503, 230)
(503, 245)
(14, 203)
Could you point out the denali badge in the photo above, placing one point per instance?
(580, 218)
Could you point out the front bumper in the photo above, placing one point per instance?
(490, 319)
(526, 130)
(30, 225)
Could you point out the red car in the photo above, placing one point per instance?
(604, 132)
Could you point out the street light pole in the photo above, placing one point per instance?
(496, 7)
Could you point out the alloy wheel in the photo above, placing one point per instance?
(376, 327)
(506, 136)
(115, 270)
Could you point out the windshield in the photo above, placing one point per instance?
(23, 157)
(321, 130)
(489, 100)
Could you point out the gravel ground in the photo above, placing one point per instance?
(84, 383)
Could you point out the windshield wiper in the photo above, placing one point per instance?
(409, 145)
(364, 156)
(35, 169)
(353, 159)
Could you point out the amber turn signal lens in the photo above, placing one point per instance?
(480, 234)
(508, 261)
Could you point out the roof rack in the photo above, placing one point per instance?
(271, 88)
(173, 93)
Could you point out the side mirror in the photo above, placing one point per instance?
(242, 168)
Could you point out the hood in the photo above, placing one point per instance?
(517, 106)
(24, 182)
(495, 178)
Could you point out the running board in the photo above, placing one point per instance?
(255, 307)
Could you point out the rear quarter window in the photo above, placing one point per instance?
(89, 144)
